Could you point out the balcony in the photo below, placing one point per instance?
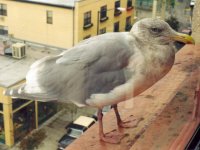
(103, 19)
(87, 26)
(117, 12)
(129, 8)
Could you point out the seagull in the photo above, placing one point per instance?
(105, 70)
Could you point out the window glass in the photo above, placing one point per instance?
(102, 31)
(104, 11)
(87, 18)
(3, 9)
(49, 17)
(116, 27)
(2, 132)
(3, 30)
(129, 3)
(1, 107)
(17, 102)
(46, 110)
(24, 121)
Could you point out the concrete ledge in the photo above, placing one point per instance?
(165, 106)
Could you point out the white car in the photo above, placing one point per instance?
(192, 2)
(74, 130)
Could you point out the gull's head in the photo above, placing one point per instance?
(159, 32)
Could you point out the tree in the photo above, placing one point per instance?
(173, 22)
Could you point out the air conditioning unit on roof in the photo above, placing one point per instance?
(18, 50)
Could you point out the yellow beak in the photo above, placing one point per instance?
(184, 38)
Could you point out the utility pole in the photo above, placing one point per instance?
(163, 10)
(154, 9)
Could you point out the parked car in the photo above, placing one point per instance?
(192, 2)
(75, 130)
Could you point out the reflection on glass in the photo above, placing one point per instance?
(46, 110)
(2, 132)
(24, 121)
(17, 102)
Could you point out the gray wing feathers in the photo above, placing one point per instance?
(93, 66)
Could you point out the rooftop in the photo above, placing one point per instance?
(59, 3)
(14, 70)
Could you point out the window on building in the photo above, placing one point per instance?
(49, 17)
(3, 9)
(17, 102)
(116, 27)
(3, 30)
(87, 37)
(46, 110)
(117, 5)
(2, 132)
(128, 24)
(102, 31)
(103, 13)
(1, 107)
(24, 121)
(87, 19)
(129, 4)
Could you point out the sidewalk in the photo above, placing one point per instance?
(55, 128)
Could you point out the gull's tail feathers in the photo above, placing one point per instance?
(21, 92)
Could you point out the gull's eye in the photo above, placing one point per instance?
(156, 30)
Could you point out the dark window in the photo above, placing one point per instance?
(129, 3)
(116, 27)
(87, 18)
(103, 12)
(17, 102)
(3, 30)
(1, 107)
(49, 17)
(102, 31)
(46, 110)
(117, 5)
(2, 132)
(24, 121)
(3, 9)
(128, 23)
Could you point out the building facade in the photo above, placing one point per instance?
(63, 24)
(18, 117)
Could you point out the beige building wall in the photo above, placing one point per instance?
(94, 6)
(196, 22)
(28, 21)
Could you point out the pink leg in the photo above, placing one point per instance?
(109, 138)
(125, 124)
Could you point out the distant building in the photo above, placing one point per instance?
(63, 23)
(18, 117)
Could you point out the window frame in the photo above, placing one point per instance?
(129, 4)
(3, 9)
(128, 23)
(116, 24)
(102, 30)
(87, 20)
(117, 5)
(103, 13)
(49, 17)
(3, 30)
